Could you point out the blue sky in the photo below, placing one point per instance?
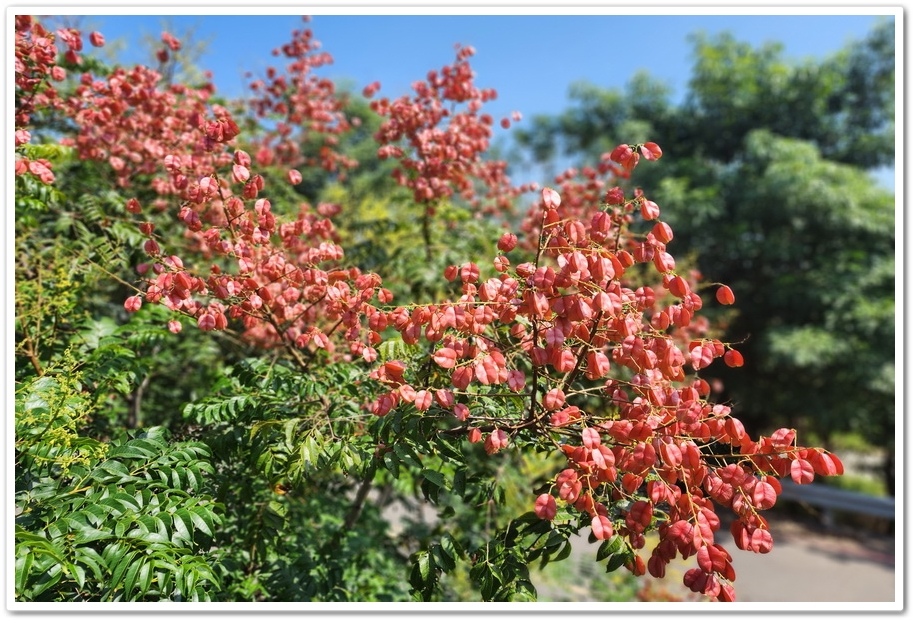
(530, 59)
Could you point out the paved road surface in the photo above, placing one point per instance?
(810, 566)
(807, 564)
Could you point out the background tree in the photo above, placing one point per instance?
(770, 187)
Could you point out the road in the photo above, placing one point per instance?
(807, 564)
(811, 565)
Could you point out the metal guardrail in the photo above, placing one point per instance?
(833, 499)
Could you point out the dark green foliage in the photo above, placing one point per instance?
(289, 465)
(125, 520)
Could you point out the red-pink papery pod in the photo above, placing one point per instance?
(554, 399)
(423, 400)
(220, 321)
(369, 354)
(445, 358)
(408, 393)
(664, 262)
(591, 438)
(495, 441)
(733, 359)
(462, 377)
(444, 398)
(614, 196)
(469, 272)
(206, 322)
(383, 405)
(240, 173)
(550, 199)
(151, 247)
(597, 365)
(602, 527)
(371, 89)
(600, 226)
(516, 380)
(649, 210)
(461, 411)
(507, 242)
(662, 231)
(725, 296)
(501, 263)
(173, 43)
(545, 506)
(651, 151)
